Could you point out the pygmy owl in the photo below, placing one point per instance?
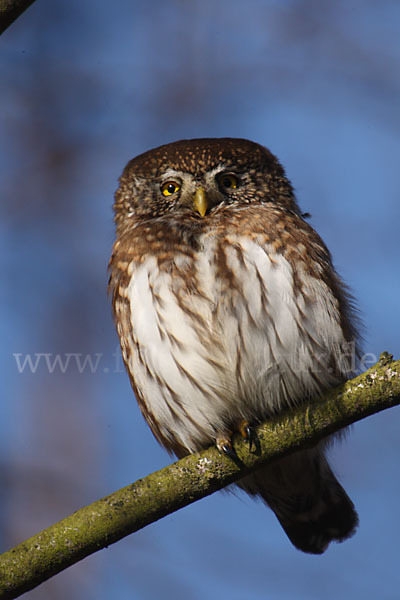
(228, 311)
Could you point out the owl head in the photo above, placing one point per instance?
(200, 177)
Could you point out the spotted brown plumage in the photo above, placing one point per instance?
(229, 310)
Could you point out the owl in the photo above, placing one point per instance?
(229, 311)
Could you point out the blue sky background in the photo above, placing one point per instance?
(85, 87)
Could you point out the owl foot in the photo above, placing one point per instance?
(224, 445)
(248, 434)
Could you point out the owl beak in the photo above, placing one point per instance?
(200, 201)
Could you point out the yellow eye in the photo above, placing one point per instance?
(169, 188)
(228, 181)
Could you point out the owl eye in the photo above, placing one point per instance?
(169, 188)
(228, 181)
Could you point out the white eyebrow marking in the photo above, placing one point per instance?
(221, 167)
(171, 174)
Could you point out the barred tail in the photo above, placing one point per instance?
(307, 499)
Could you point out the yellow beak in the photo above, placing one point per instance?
(200, 201)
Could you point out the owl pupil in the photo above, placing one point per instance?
(226, 182)
(171, 188)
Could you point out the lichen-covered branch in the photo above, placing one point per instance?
(10, 10)
(163, 492)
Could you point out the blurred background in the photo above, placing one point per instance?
(85, 87)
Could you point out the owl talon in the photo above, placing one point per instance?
(225, 447)
(229, 451)
(248, 434)
(252, 438)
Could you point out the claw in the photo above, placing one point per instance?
(248, 434)
(229, 451)
(224, 445)
(251, 436)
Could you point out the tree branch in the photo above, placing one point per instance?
(10, 10)
(196, 476)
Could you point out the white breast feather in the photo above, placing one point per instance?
(264, 322)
